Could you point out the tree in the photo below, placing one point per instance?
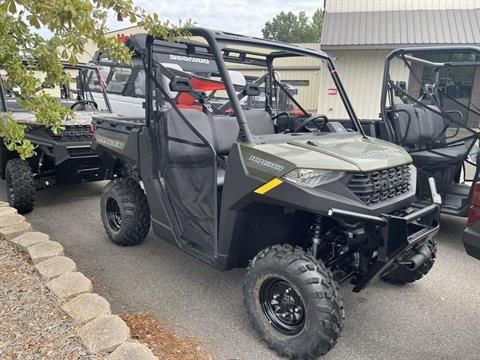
(72, 24)
(288, 27)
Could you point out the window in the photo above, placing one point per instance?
(455, 83)
(118, 79)
(93, 81)
(297, 82)
(140, 83)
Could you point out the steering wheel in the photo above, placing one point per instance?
(281, 114)
(310, 119)
(84, 102)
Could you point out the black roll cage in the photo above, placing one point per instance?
(407, 55)
(217, 50)
(2, 97)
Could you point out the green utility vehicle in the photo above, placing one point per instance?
(300, 201)
(61, 158)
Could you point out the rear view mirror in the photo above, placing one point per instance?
(402, 85)
(252, 90)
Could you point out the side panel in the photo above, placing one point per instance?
(247, 223)
(117, 138)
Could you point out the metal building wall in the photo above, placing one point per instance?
(90, 48)
(361, 72)
(390, 5)
(307, 95)
(296, 69)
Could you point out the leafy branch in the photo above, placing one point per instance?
(74, 24)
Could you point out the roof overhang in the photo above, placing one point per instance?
(384, 46)
(369, 30)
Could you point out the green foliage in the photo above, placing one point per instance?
(288, 27)
(73, 25)
(12, 134)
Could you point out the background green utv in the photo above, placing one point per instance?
(298, 199)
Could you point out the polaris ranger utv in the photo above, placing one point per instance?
(303, 203)
(63, 158)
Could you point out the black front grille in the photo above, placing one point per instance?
(375, 186)
(73, 133)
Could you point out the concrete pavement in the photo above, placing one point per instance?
(436, 318)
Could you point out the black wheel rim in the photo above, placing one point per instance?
(113, 214)
(282, 306)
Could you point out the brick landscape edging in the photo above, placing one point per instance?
(99, 330)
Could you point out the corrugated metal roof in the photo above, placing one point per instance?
(391, 29)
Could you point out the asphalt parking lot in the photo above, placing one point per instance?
(436, 318)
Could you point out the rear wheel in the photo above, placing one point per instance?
(403, 274)
(293, 302)
(125, 212)
(20, 185)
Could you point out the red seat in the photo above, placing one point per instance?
(186, 101)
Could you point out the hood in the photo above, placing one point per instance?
(80, 118)
(345, 152)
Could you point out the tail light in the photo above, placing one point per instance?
(474, 209)
(91, 130)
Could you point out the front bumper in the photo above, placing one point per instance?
(471, 240)
(400, 236)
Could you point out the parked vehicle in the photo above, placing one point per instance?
(471, 235)
(63, 158)
(125, 84)
(430, 114)
(434, 114)
(298, 199)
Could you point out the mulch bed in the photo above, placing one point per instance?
(32, 325)
(164, 342)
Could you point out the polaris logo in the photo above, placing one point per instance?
(189, 59)
(109, 142)
(266, 163)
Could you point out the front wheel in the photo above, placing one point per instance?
(20, 185)
(125, 212)
(403, 274)
(293, 302)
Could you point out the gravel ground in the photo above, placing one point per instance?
(32, 326)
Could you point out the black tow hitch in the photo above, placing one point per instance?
(418, 258)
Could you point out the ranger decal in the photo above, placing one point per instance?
(266, 163)
(109, 142)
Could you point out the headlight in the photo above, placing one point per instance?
(313, 178)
